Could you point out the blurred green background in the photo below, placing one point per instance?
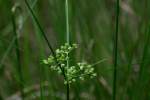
(92, 26)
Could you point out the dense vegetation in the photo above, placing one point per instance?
(112, 35)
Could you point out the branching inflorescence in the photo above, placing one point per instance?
(72, 73)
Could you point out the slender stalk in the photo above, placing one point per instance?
(67, 38)
(146, 45)
(68, 94)
(115, 51)
(100, 61)
(19, 69)
(145, 52)
(46, 39)
(43, 34)
(1, 95)
(39, 26)
(67, 22)
(13, 41)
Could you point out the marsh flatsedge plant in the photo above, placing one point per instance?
(19, 69)
(59, 60)
(79, 71)
(115, 52)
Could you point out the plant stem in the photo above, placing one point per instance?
(67, 22)
(46, 39)
(115, 51)
(145, 54)
(67, 86)
(13, 41)
(19, 69)
(39, 26)
(43, 34)
(67, 38)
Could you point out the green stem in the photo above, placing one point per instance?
(19, 69)
(46, 39)
(67, 22)
(1, 97)
(68, 94)
(13, 41)
(115, 51)
(145, 53)
(43, 34)
(39, 26)
(100, 61)
(68, 39)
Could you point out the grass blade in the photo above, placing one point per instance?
(11, 45)
(39, 26)
(115, 51)
(46, 39)
(145, 51)
(19, 68)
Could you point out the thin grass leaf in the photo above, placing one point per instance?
(11, 45)
(45, 37)
(115, 51)
(145, 51)
(39, 26)
(19, 68)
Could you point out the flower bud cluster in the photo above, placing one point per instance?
(79, 72)
(72, 73)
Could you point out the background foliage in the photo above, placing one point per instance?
(92, 24)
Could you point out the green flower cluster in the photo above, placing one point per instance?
(80, 71)
(72, 73)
